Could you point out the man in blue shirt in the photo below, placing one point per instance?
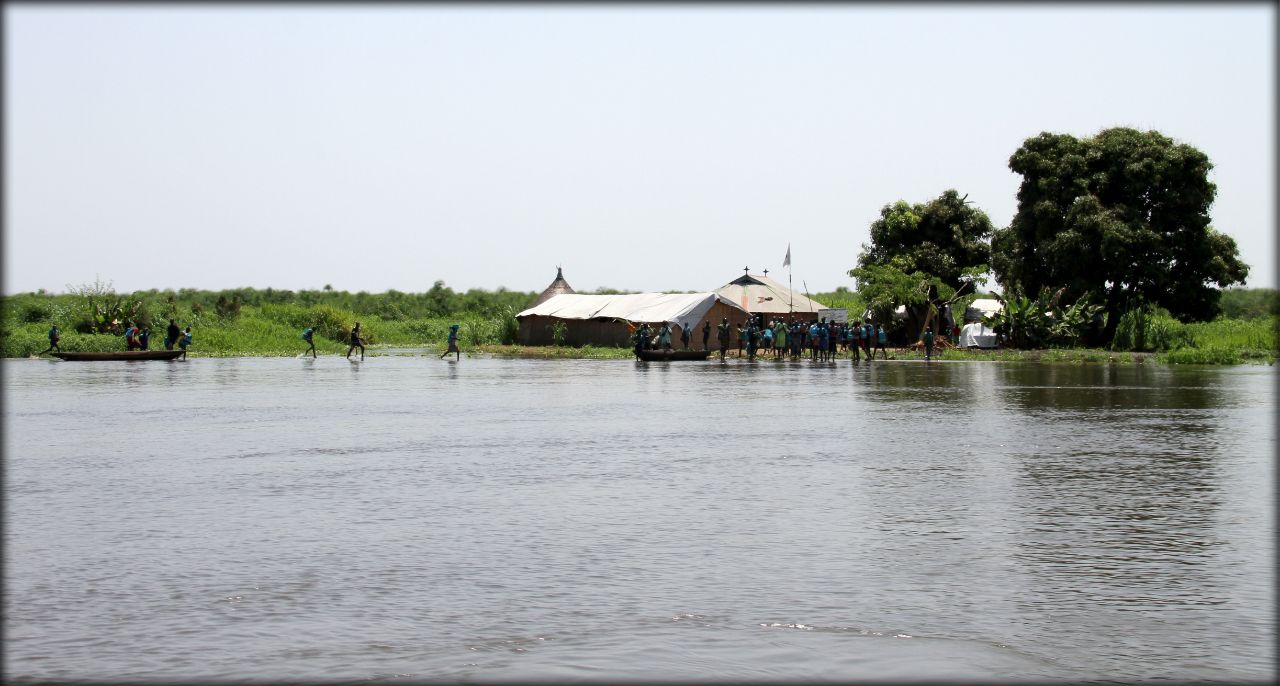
(308, 336)
(54, 337)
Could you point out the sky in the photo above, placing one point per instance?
(640, 147)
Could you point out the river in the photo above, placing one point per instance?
(492, 519)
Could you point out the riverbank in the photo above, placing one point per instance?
(1061, 356)
(1064, 355)
(274, 329)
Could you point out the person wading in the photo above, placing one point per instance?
(453, 343)
(308, 335)
(356, 342)
(184, 341)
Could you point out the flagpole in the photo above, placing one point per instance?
(791, 294)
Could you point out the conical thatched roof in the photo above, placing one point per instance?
(556, 288)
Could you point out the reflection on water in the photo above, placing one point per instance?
(560, 519)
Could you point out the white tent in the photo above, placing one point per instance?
(977, 335)
(759, 293)
(982, 307)
(676, 308)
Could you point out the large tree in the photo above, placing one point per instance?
(1122, 216)
(945, 237)
(921, 254)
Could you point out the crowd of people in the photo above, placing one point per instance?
(818, 339)
(136, 337)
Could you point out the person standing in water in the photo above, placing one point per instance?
(453, 344)
(356, 342)
(185, 341)
(881, 339)
(308, 335)
(706, 334)
(928, 344)
(722, 335)
(685, 333)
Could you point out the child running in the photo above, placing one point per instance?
(453, 344)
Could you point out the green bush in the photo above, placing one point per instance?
(1145, 330)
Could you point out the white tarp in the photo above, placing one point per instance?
(899, 314)
(676, 308)
(982, 307)
(759, 293)
(977, 335)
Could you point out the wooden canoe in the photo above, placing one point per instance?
(672, 355)
(120, 355)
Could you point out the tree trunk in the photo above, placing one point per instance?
(1113, 316)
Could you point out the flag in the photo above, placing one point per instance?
(786, 262)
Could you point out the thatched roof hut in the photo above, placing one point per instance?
(557, 287)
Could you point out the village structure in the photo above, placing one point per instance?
(581, 319)
(562, 316)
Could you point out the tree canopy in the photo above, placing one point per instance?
(945, 237)
(1124, 216)
(920, 255)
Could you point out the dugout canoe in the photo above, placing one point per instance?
(120, 355)
(672, 355)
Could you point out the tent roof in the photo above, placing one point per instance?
(759, 293)
(983, 307)
(633, 307)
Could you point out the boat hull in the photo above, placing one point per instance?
(120, 355)
(672, 355)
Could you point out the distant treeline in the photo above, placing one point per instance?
(438, 301)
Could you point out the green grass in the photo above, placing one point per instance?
(270, 330)
(1222, 341)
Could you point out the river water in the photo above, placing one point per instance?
(489, 519)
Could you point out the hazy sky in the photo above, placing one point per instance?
(642, 147)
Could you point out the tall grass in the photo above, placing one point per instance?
(1222, 341)
(269, 329)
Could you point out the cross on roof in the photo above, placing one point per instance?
(766, 272)
(744, 269)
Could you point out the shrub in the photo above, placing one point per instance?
(1144, 330)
